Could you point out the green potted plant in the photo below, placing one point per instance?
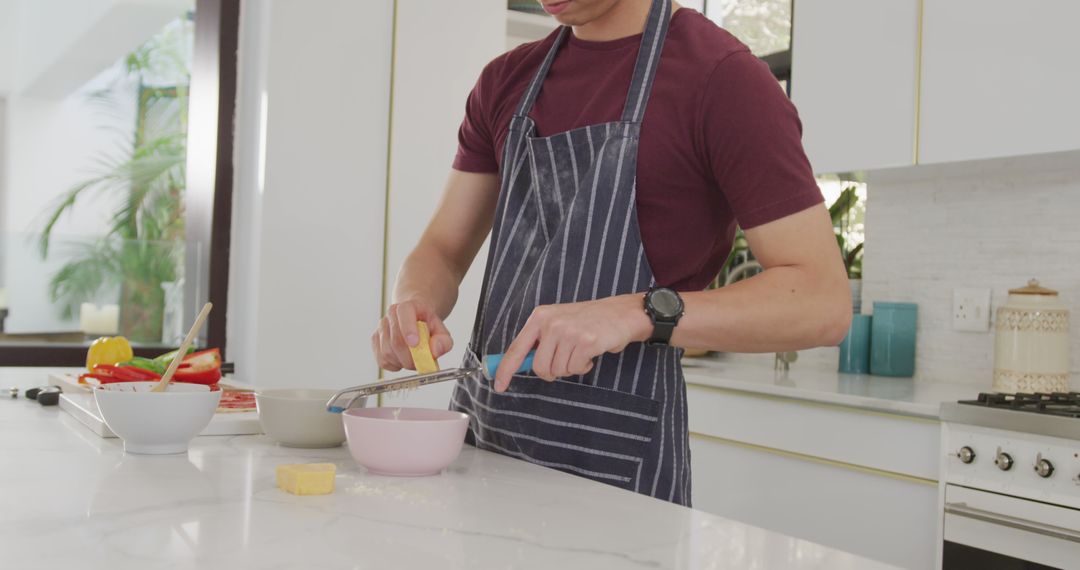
(847, 213)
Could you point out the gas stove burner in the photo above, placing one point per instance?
(1066, 404)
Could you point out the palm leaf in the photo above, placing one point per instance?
(95, 266)
(843, 205)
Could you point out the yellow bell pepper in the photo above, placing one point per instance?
(108, 350)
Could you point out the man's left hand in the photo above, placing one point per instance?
(569, 336)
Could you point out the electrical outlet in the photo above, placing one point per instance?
(971, 310)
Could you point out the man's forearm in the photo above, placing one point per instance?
(427, 276)
(780, 309)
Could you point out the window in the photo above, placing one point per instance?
(763, 25)
(102, 231)
(847, 207)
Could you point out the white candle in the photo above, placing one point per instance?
(103, 321)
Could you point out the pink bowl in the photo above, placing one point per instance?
(419, 441)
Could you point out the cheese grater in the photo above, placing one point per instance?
(345, 399)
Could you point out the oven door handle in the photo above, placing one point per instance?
(962, 510)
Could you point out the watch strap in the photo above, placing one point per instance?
(661, 335)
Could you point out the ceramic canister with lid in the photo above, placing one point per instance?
(1031, 346)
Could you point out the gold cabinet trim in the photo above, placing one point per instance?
(848, 408)
(918, 81)
(819, 460)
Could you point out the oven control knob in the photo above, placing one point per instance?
(1043, 467)
(1003, 460)
(966, 454)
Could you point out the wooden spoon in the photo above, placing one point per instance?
(182, 351)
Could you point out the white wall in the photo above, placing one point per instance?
(524, 27)
(305, 275)
(64, 43)
(987, 224)
(9, 43)
(430, 87)
(3, 194)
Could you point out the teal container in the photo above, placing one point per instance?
(892, 339)
(855, 348)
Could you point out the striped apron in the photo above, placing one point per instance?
(566, 230)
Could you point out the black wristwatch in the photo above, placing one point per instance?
(665, 307)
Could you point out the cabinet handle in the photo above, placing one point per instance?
(962, 510)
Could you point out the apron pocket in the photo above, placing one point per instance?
(594, 432)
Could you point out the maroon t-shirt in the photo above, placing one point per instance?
(720, 141)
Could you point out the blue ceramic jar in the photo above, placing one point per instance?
(892, 339)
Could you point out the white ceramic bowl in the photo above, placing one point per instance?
(156, 423)
(298, 418)
(407, 442)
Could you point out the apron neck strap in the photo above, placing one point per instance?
(648, 58)
(533, 90)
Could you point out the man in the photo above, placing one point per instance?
(610, 163)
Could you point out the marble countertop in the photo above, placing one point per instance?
(905, 396)
(74, 500)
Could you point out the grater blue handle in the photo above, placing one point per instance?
(491, 364)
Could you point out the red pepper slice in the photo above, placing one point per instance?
(101, 378)
(203, 360)
(202, 367)
(197, 376)
(126, 373)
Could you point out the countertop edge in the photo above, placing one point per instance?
(712, 376)
(863, 403)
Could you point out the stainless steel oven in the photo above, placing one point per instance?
(1010, 492)
(995, 531)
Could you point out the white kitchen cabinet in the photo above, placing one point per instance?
(884, 518)
(999, 78)
(854, 479)
(853, 80)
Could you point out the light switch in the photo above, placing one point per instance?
(971, 310)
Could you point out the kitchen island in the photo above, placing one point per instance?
(74, 500)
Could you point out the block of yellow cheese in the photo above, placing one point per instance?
(421, 353)
(306, 479)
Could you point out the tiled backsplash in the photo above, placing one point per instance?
(989, 224)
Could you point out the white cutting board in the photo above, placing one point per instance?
(78, 401)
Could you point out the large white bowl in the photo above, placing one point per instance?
(156, 423)
(298, 417)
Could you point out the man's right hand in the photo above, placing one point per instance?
(397, 332)
(427, 285)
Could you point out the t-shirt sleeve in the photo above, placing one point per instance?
(476, 144)
(752, 139)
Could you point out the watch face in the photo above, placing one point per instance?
(665, 302)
